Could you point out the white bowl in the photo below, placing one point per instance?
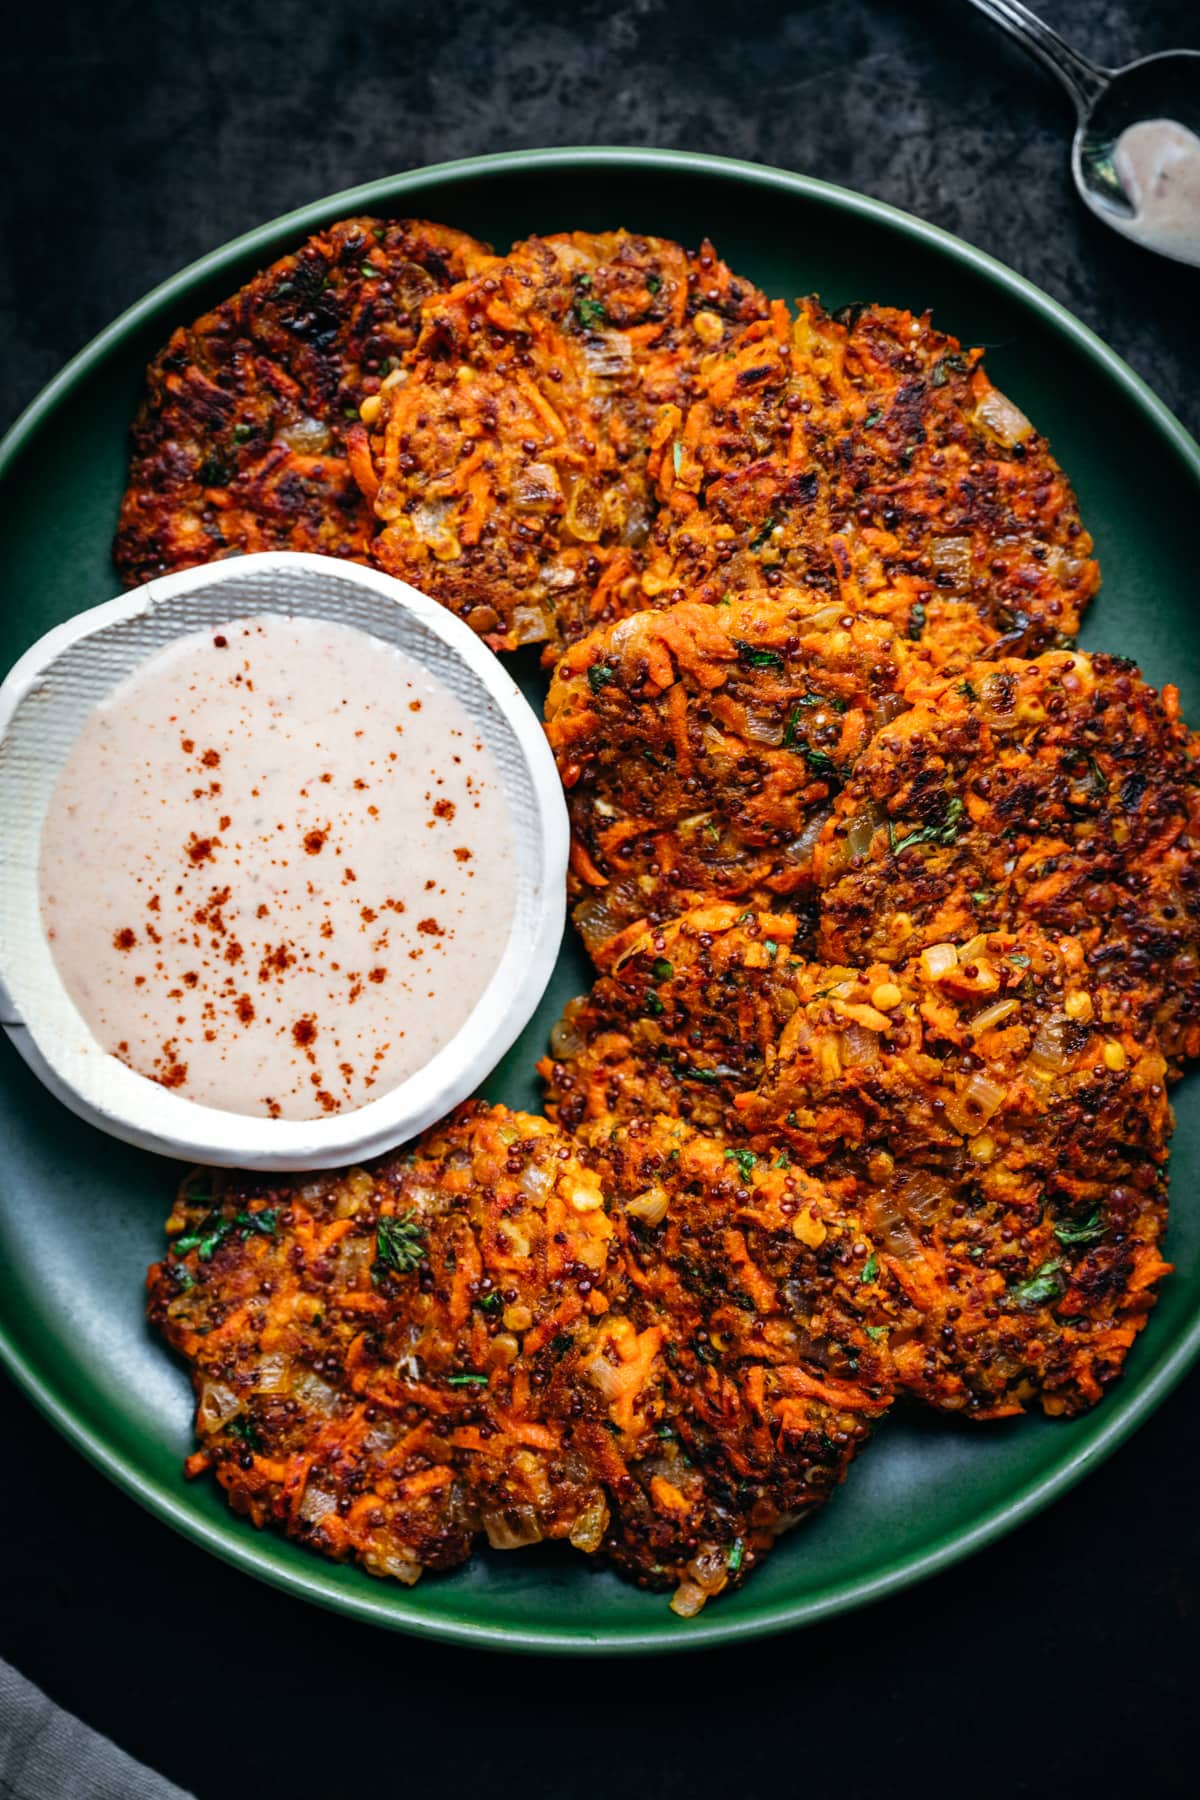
(43, 704)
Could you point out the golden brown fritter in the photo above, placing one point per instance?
(682, 1023)
(868, 456)
(1064, 791)
(765, 1383)
(241, 441)
(509, 459)
(1008, 1155)
(469, 1339)
(387, 1360)
(700, 747)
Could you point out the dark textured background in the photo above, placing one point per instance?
(135, 137)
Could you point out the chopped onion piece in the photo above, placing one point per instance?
(938, 960)
(512, 1530)
(688, 1599)
(1004, 420)
(993, 1015)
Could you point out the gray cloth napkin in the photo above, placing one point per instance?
(46, 1754)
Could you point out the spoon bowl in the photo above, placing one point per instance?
(1162, 87)
(1161, 95)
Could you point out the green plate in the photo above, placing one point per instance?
(81, 1216)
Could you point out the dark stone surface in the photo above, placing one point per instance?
(137, 136)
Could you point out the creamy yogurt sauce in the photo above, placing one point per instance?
(1157, 162)
(276, 870)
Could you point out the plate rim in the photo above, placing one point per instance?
(256, 1554)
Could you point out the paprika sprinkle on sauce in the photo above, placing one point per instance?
(276, 870)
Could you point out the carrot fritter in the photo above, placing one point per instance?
(766, 1381)
(682, 1022)
(510, 457)
(1008, 1151)
(241, 441)
(700, 747)
(1064, 791)
(866, 455)
(474, 1338)
(387, 1360)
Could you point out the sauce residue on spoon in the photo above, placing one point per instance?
(276, 870)
(1157, 162)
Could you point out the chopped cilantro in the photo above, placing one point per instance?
(820, 762)
(745, 1160)
(244, 1429)
(370, 272)
(1081, 1231)
(1042, 1286)
(771, 948)
(599, 675)
(756, 543)
(590, 313)
(737, 1551)
(782, 1161)
(872, 418)
(916, 619)
(875, 1332)
(653, 1004)
(212, 1232)
(870, 1268)
(965, 689)
(757, 658)
(677, 454)
(399, 1243)
(1022, 962)
(470, 1379)
(653, 283)
(945, 833)
(661, 969)
(490, 1303)
(242, 432)
(943, 368)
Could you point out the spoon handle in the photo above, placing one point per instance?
(1083, 80)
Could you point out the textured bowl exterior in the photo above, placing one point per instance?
(44, 701)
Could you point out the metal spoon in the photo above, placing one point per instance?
(1157, 89)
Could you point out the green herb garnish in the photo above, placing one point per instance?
(661, 969)
(758, 659)
(820, 762)
(590, 312)
(677, 454)
(870, 1268)
(745, 1160)
(1081, 1231)
(737, 1551)
(469, 1380)
(916, 619)
(1042, 1286)
(399, 1243)
(599, 675)
(945, 833)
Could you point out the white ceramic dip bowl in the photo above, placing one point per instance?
(43, 704)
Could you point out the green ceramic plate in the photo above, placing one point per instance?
(81, 1216)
